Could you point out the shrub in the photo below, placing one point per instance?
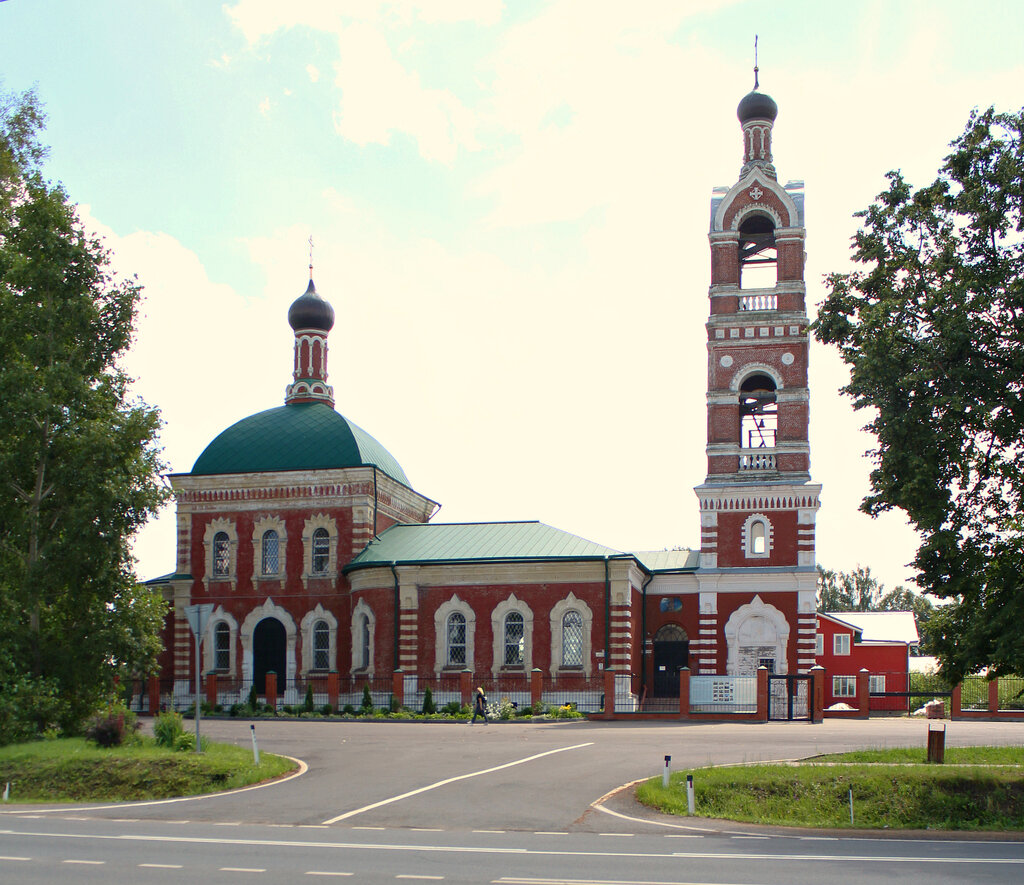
(186, 742)
(167, 729)
(429, 706)
(452, 708)
(367, 704)
(326, 710)
(108, 731)
(308, 703)
(238, 710)
(348, 710)
(254, 699)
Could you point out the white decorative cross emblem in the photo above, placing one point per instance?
(756, 192)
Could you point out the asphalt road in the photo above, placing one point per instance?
(534, 804)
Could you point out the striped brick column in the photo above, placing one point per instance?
(621, 638)
(704, 649)
(362, 528)
(806, 630)
(408, 640)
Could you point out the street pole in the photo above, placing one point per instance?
(198, 616)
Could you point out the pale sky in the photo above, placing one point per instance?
(510, 207)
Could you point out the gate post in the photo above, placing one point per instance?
(271, 691)
(993, 696)
(153, 687)
(817, 699)
(762, 694)
(684, 693)
(536, 688)
(466, 687)
(211, 689)
(609, 694)
(863, 694)
(955, 701)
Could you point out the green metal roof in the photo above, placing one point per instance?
(668, 560)
(300, 436)
(475, 542)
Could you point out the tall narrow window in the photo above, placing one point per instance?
(759, 415)
(321, 551)
(514, 639)
(270, 553)
(758, 541)
(221, 555)
(572, 639)
(321, 646)
(364, 632)
(456, 634)
(841, 644)
(222, 647)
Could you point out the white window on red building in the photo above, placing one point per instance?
(841, 644)
(819, 644)
(844, 686)
(876, 684)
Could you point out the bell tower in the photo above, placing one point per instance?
(758, 504)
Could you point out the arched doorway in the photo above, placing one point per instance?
(269, 642)
(671, 654)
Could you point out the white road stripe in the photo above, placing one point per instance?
(161, 866)
(7, 857)
(91, 863)
(241, 870)
(326, 873)
(452, 780)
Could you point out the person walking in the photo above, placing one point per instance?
(479, 706)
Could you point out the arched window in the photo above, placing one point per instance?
(572, 639)
(221, 555)
(456, 639)
(222, 647)
(321, 646)
(758, 258)
(515, 635)
(321, 551)
(759, 412)
(364, 648)
(270, 553)
(758, 538)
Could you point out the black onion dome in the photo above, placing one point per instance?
(310, 311)
(757, 106)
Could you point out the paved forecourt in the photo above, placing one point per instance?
(508, 776)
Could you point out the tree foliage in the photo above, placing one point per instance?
(79, 463)
(932, 329)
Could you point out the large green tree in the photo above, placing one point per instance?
(79, 464)
(932, 328)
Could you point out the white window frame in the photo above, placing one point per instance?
(441, 614)
(844, 686)
(214, 528)
(306, 629)
(500, 612)
(558, 611)
(260, 527)
(819, 644)
(320, 521)
(220, 616)
(841, 644)
(876, 683)
(360, 611)
(749, 539)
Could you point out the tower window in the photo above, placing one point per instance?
(222, 647)
(759, 412)
(758, 256)
(757, 536)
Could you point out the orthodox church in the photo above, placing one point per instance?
(318, 556)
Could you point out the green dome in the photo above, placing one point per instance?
(301, 436)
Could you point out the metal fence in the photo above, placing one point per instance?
(723, 694)
(974, 693)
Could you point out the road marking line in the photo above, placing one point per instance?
(310, 826)
(326, 873)
(452, 780)
(426, 829)
(228, 823)
(684, 835)
(750, 837)
(410, 876)
(161, 866)
(364, 828)
(483, 831)
(241, 870)
(542, 833)
(92, 863)
(626, 835)
(8, 857)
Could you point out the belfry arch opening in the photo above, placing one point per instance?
(759, 412)
(758, 257)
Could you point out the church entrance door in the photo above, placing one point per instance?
(671, 654)
(268, 653)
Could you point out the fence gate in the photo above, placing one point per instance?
(789, 697)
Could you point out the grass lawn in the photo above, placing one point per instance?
(76, 770)
(978, 788)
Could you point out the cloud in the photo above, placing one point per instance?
(264, 106)
(314, 73)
